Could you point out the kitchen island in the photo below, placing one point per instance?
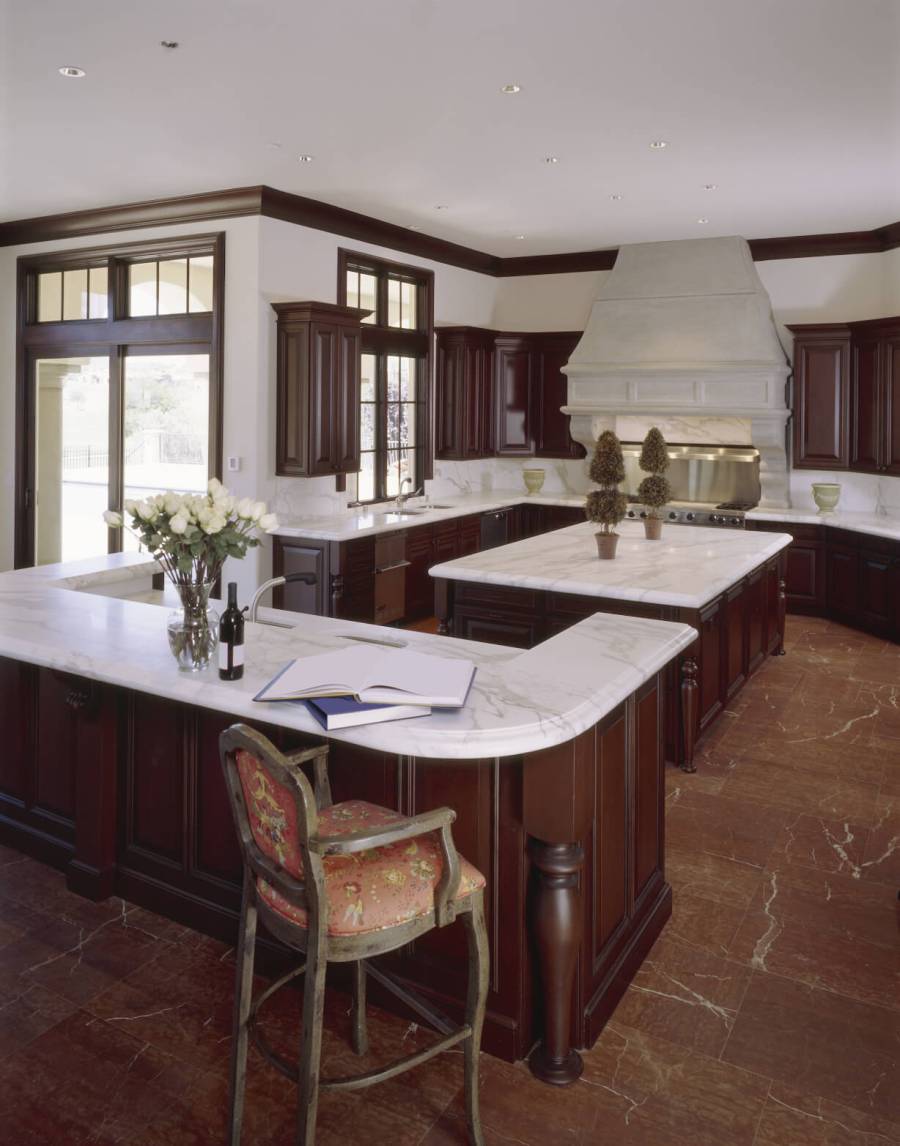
(727, 584)
(554, 767)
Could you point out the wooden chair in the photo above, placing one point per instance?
(342, 883)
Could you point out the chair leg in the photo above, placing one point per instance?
(243, 999)
(311, 1046)
(360, 1033)
(476, 1000)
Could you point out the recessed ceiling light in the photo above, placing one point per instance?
(710, 186)
(518, 236)
(551, 159)
(658, 144)
(274, 144)
(412, 227)
(703, 220)
(170, 44)
(510, 89)
(305, 158)
(440, 206)
(72, 73)
(615, 198)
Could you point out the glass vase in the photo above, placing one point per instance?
(194, 628)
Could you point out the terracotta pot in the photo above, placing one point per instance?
(653, 528)
(606, 545)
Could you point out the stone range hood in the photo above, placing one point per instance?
(681, 336)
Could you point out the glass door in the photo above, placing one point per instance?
(71, 456)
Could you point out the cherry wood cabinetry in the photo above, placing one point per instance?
(842, 574)
(821, 396)
(501, 393)
(464, 407)
(847, 396)
(736, 631)
(124, 792)
(317, 389)
(57, 772)
(345, 577)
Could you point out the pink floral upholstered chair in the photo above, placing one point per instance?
(342, 883)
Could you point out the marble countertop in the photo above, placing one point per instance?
(876, 524)
(687, 568)
(362, 523)
(78, 618)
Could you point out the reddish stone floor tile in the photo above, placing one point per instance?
(784, 784)
(819, 1043)
(827, 845)
(881, 858)
(688, 996)
(732, 828)
(703, 923)
(802, 1120)
(713, 877)
(825, 929)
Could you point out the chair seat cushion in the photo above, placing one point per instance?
(380, 887)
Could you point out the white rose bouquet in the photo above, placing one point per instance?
(192, 534)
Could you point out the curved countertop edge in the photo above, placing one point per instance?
(873, 524)
(577, 677)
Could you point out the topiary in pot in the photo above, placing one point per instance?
(654, 491)
(606, 506)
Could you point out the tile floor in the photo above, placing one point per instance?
(768, 1014)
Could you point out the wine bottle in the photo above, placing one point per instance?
(231, 638)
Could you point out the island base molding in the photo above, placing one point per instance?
(124, 792)
(736, 632)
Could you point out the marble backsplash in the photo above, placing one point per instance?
(863, 493)
(494, 474)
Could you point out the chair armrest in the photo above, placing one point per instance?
(419, 825)
(319, 756)
(439, 821)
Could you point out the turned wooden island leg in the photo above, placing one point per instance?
(782, 610)
(557, 927)
(689, 688)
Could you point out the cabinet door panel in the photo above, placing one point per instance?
(865, 416)
(843, 581)
(711, 698)
(497, 628)
(606, 866)
(735, 640)
(890, 367)
(513, 418)
(450, 388)
(345, 429)
(419, 586)
(298, 556)
(17, 685)
(323, 412)
(821, 402)
(756, 620)
(551, 430)
(805, 575)
(649, 780)
(875, 584)
(155, 754)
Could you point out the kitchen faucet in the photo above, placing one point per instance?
(273, 583)
(401, 496)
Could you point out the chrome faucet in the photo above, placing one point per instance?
(401, 496)
(273, 583)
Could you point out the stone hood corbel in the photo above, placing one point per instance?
(682, 336)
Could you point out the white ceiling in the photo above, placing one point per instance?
(791, 106)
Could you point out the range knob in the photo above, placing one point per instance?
(716, 519)
(734, 521)
(630, 513)
(673, 516)
(689, 516)
(643, 514)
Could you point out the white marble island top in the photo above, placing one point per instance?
(78, 618)
(689, 567)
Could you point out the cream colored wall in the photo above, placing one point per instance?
(546, 302)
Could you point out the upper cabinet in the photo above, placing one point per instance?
(500, 394)
(821, 396)
(317, 373)
(847, 396)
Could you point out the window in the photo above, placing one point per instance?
(112, 409)
(395, 391)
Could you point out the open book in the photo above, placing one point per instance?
(374, 676)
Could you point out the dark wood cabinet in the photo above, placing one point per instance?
(345, 577)
(513, 381)
(712, 659)
(317, 389)
(496, 526)
(821, 396)
(847, 396)
(502, 393)
(551, 426)
(464, 417)
(843, 582)
(865, 413)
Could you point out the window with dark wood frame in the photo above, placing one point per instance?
(86, 324)
(395, 407)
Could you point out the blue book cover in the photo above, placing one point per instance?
(345, 712)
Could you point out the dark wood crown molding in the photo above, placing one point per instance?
(305, 212)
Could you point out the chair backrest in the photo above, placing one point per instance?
(275, 815)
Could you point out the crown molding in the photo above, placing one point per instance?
(302, 211)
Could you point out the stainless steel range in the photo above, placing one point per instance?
(726, 515)
(711, 485)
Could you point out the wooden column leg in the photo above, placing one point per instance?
(556, 927)
(689, 689)
(243, 998)
(782, 609)
(360, 1035)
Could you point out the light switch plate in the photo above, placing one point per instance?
(234, 465)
